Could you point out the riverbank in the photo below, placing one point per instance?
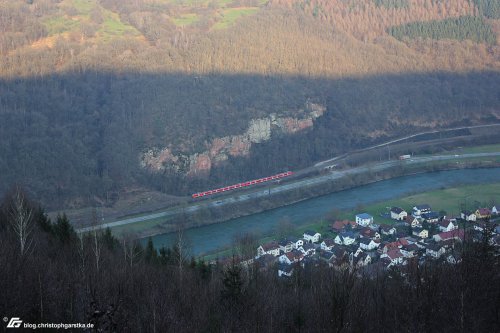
(216, 237)
(210, 214)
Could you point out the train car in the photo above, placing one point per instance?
(240, 185)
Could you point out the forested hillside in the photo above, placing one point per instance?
(99, 96)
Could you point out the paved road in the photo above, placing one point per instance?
(262, 192)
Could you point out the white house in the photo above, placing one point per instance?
(435, 250)
(363, 260)
(388, 230)
(312, 236)
(307, 249)
(420, 232)
(468, 216)
(286, 245)
(345, 238)
(368, 244)
(418, 210)
(430, 217)
(285, 270)
(409, 250)
(398, 213)
(364, 219)
(298, 241)
(495, 210)
(413, 221)
(271, 248)
(447, 225)
(394, 255)
(291, 257)
(327, 244)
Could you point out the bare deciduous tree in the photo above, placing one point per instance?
(22, 221)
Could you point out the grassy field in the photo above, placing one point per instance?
(111, 26)
(137, 228)
(472, 150)
(186, 19)
(450, 200)
(230, 15)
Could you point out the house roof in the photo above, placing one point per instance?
(394, 254)
(434, 247)
(348, 234)
(362, 257)
(365, 241)
(410, 247)
(327, 255)
(270, 246)
(286, 268)
(445, 223)
(367, 232)
(307, 246)
(484, 211)
(310, 233)
(364, 216)
(457, 233)
(430, 215)
(329, 242)
(387, 228)
(266, 259)
(338, 252)
(423, 207)
(339, 225)
(397, 210)
(284, 242)
(294, 255)
(410, 219)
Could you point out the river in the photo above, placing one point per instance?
(217, 236)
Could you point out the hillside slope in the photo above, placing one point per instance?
(98, 96)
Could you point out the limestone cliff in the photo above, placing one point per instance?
(219, 149)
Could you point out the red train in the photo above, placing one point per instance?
(244, 184)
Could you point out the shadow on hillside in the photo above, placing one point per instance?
(79, 135)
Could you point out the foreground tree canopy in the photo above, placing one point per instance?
(121, 286)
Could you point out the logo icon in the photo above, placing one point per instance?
(14, 322)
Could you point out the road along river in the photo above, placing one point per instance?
(220, 235)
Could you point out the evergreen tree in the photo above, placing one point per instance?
(63, 230)
(150, 254)
(233, 283)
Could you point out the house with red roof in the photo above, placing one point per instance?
(271, 248)
(447, 225)
(394, 255)
(457, 234)
(339, 226)
(291, 257)
(368, 233)
(483, 213)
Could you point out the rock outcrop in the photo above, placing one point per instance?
(219, 149)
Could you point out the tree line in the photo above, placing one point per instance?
(465, 27)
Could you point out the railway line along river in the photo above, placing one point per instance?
(212, 237)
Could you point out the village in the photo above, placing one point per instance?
(416, 235)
